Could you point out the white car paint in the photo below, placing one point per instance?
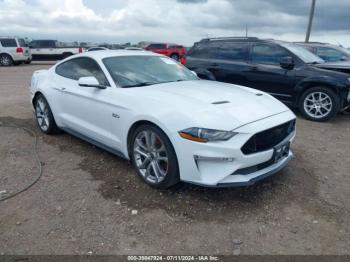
(106, 116)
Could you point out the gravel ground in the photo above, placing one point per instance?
(91, 202)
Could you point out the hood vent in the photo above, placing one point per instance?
(221, 102)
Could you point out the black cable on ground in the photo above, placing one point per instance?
(30, 132)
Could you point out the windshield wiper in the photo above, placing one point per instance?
(141, 84)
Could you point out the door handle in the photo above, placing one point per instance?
(214, 65)
(254, 68)
(61, 89)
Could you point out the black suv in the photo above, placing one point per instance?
(285, 70)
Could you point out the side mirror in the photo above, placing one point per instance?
(194, 72)
(344, 58)
(287, 62)
(90, 81)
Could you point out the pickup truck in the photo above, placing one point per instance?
(52, 50)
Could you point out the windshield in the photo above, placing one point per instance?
(344, 50)
(133, 71)
(304, 54)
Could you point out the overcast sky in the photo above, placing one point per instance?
(180, 21)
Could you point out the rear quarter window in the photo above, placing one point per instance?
(8, 42)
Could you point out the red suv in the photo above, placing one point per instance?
(174, 51)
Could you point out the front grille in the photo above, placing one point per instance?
(267, 139)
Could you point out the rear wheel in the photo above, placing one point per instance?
(319, 104)
(6, 60)
(154, 157)
(44, 116)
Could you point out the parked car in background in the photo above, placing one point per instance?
(97, 48)
(14, 51)
(136, 105)
(285, 70)
(52, 50)
(328, 52)
(174, 51)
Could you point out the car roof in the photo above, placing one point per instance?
(101, 54)
(242, 40)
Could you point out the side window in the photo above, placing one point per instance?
(47, 44)
(268, 54)
(205, 50)
(233, 51)
(34, 44)
(329, 54)
(8, 42)
(82, 67)
(157, 46)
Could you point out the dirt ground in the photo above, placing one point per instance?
(85, 200)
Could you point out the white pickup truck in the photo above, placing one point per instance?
(52, 50)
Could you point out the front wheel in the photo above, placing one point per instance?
(319, 104)
(154, 157)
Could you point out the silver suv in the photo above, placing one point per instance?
(14, 51)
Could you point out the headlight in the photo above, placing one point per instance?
(204, 135)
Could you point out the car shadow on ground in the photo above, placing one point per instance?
(120, 183)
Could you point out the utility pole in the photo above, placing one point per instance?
(311, 17)
(246, 31)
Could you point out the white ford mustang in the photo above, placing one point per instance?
(172, 126)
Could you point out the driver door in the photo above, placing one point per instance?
(85, 111)
(266, 73)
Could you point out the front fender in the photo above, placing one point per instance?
(338, 86)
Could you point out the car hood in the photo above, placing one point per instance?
(216, 102)
(341, 64)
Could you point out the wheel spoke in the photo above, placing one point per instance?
(141, 152)
(145, 164)
(156, 170)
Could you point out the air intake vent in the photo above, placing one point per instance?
(221, 102)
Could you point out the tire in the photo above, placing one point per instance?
(28, 62)
(44, 116)
(157, 172)
(6, 60)
(319, 104)
(176, 57)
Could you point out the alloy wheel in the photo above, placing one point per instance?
(5, 60)
(318, 104)
(42, 114)
(151, 156)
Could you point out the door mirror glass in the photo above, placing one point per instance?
(287, 62)
(90, 81)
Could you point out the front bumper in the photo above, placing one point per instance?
(219, 164)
